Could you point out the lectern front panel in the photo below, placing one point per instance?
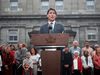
(51, 61)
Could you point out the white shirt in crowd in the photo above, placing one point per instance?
(0, 62)
(34, 58)
(75, 62)
(89, 61)
(29, 61)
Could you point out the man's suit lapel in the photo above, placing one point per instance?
(47, 30)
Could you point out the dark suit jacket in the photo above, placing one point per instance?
(58, 28)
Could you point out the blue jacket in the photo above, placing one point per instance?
(58, 28)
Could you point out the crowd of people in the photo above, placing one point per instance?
(19, 62)
(75, 61)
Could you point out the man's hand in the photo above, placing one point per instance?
(6, 66)
(17, 61)
(66, 66)
(63, 32)
(80, 71)
(23, 58)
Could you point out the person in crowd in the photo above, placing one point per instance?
(39, 67)
(38, 55)
(3, 49)
(77, 67)
(8, 62)
(75, 48)
(34, 58)
(27, 70)
(23, 51)
(88, 48)
(87, 63)
(0, 61)
(18, 60)
(67, 61)
(95, 49)
(96, 61)
(13, 53)
(52, 26)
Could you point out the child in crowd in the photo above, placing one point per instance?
(27, 70)
(23, 51)
(27, 65)
(77, 67)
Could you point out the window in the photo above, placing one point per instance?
(13, 6)
(44, 5)
(90, 4)
(12, 35)
(59, 5)
(92, 34)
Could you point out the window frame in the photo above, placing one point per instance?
(14, 6)
(17, 35)
(87, 6)
(95, 33)
(41, 5)
(63, 5)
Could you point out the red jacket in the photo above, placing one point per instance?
(96, 60)
(80, 67)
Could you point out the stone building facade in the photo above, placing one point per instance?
(18, 17)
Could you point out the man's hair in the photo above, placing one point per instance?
(66, 46)
(51, 9)
(18, 44)
(86, 41)
(23, 45)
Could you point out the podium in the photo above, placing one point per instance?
(51, 60)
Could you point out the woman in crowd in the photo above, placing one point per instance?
(8, 62)
(34, 58)
(77, 67)
(96, 61)
(13, 53)
(87, 63)
(95, 49)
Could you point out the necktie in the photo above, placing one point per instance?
(52, 25)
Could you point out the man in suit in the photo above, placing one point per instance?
(55, 27)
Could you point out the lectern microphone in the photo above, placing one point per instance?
(50, 26)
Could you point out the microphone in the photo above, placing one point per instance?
(50, 28)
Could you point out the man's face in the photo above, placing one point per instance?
(51, 15)
(66, 48)
(75, 44)
(87, 44)
(20, 46)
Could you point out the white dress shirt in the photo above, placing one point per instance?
(89, 61)
(52, 24)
